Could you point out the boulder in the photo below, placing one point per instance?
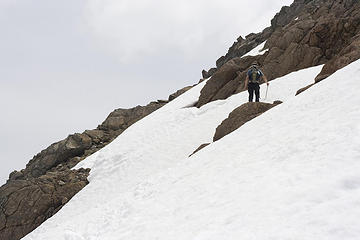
(240, 116)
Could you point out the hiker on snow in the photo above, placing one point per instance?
(252, 81)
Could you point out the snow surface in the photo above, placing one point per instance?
(257, 51)
(293, 173)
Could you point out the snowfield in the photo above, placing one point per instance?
(293, 173)
(257, 50)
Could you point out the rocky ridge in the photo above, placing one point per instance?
(37, 192)
(305, 34)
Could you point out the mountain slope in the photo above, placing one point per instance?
(305, 34)
(290, 173)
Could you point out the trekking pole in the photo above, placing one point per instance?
(267, 86)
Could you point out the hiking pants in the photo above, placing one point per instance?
(254, 87)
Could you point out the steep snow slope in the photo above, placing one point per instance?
(256, 51)
(292, 173)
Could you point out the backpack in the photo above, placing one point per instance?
(254, 75)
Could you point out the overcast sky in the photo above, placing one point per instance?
(65, 65)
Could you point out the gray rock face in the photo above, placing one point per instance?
(240, 116)
(306, 34)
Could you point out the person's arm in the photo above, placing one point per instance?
(246, 81)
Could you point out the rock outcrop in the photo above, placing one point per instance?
(346, 56)
(25, 204)
(179, 92)
(199, 148)
(240, 116)
(67, 153)
(242, 46)
(37, 192)
(70, 151)
(304, 89)
(306, 34)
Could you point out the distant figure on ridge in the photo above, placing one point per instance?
(252, 81)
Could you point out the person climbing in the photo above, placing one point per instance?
(252, 81)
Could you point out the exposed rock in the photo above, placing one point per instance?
(304, 89)
(345, 57)
(228, 75)
(74, 145)
(25, 204)
(240, 116)
(179, 92)
(35, 193)
(225, 74)
(199, 148)
(207, 74)
(242, 46)
(121, 119)
(306, 34)
(288, 14)
(80, 145)
(277, 102)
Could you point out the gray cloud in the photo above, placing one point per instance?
(134, 29)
